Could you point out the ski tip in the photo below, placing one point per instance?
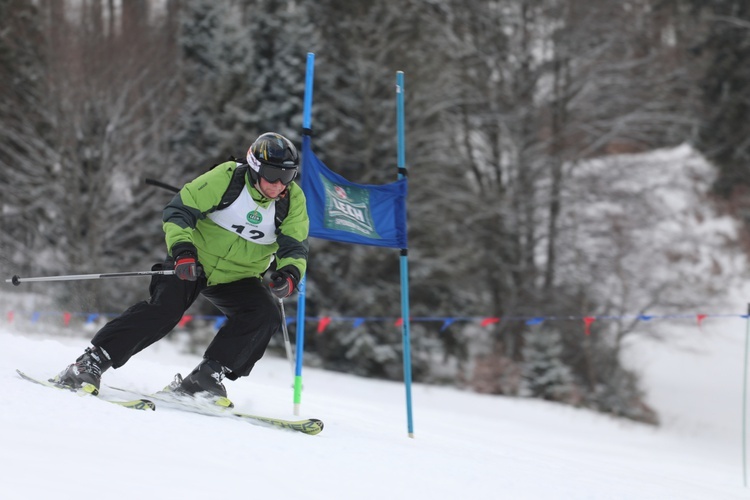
(314, 426)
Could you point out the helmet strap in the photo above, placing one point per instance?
(254, 176)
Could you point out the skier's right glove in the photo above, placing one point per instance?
(185, 261)
(284, 281)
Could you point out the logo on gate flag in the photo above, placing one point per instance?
(348, 209)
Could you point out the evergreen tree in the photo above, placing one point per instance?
(725, 84)
(544, 373)
(275, 68)
(24, 161)
(243, 74)
(207, 31)
(102, 127)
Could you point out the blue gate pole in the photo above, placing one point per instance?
(300, 345)
(306, 121)
(406, 340)
(744, 399)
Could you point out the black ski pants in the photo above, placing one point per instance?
(253, 316)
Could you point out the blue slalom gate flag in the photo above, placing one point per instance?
(340, 210)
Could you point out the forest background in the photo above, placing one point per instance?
(528, 122)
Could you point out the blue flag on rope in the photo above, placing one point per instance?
(340, 210)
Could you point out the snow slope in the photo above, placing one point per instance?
(55, 445)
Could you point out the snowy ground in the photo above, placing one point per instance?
(54, 445)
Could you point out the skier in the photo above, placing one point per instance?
(221, 253)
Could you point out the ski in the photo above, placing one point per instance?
(88, 389)
(309, 426)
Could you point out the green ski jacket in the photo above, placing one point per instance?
(242, 240)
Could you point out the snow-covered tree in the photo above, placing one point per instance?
(544, 372)
(24, 127)
(242, 75)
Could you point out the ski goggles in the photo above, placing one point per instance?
(276, 174)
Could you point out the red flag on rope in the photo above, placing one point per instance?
(185, 320)
(489, 321)
(323, 324)
(587, 324)
(699, 318)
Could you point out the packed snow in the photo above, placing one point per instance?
(57, 445)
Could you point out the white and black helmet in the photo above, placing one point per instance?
(274, 157)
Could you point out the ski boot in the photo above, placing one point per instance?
(203, 382)
(86, 372)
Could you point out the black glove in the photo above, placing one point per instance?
(284, 282)
(185, 261)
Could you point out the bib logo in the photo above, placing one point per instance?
(254, 217)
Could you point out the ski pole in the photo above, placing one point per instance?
(287, 343)
(163, 185)
(17, 280)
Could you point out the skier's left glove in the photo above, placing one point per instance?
(284, 281)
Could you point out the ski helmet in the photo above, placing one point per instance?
(273, 157)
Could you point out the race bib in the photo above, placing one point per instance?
(248, 219)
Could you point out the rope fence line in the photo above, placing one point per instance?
(323, 322)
